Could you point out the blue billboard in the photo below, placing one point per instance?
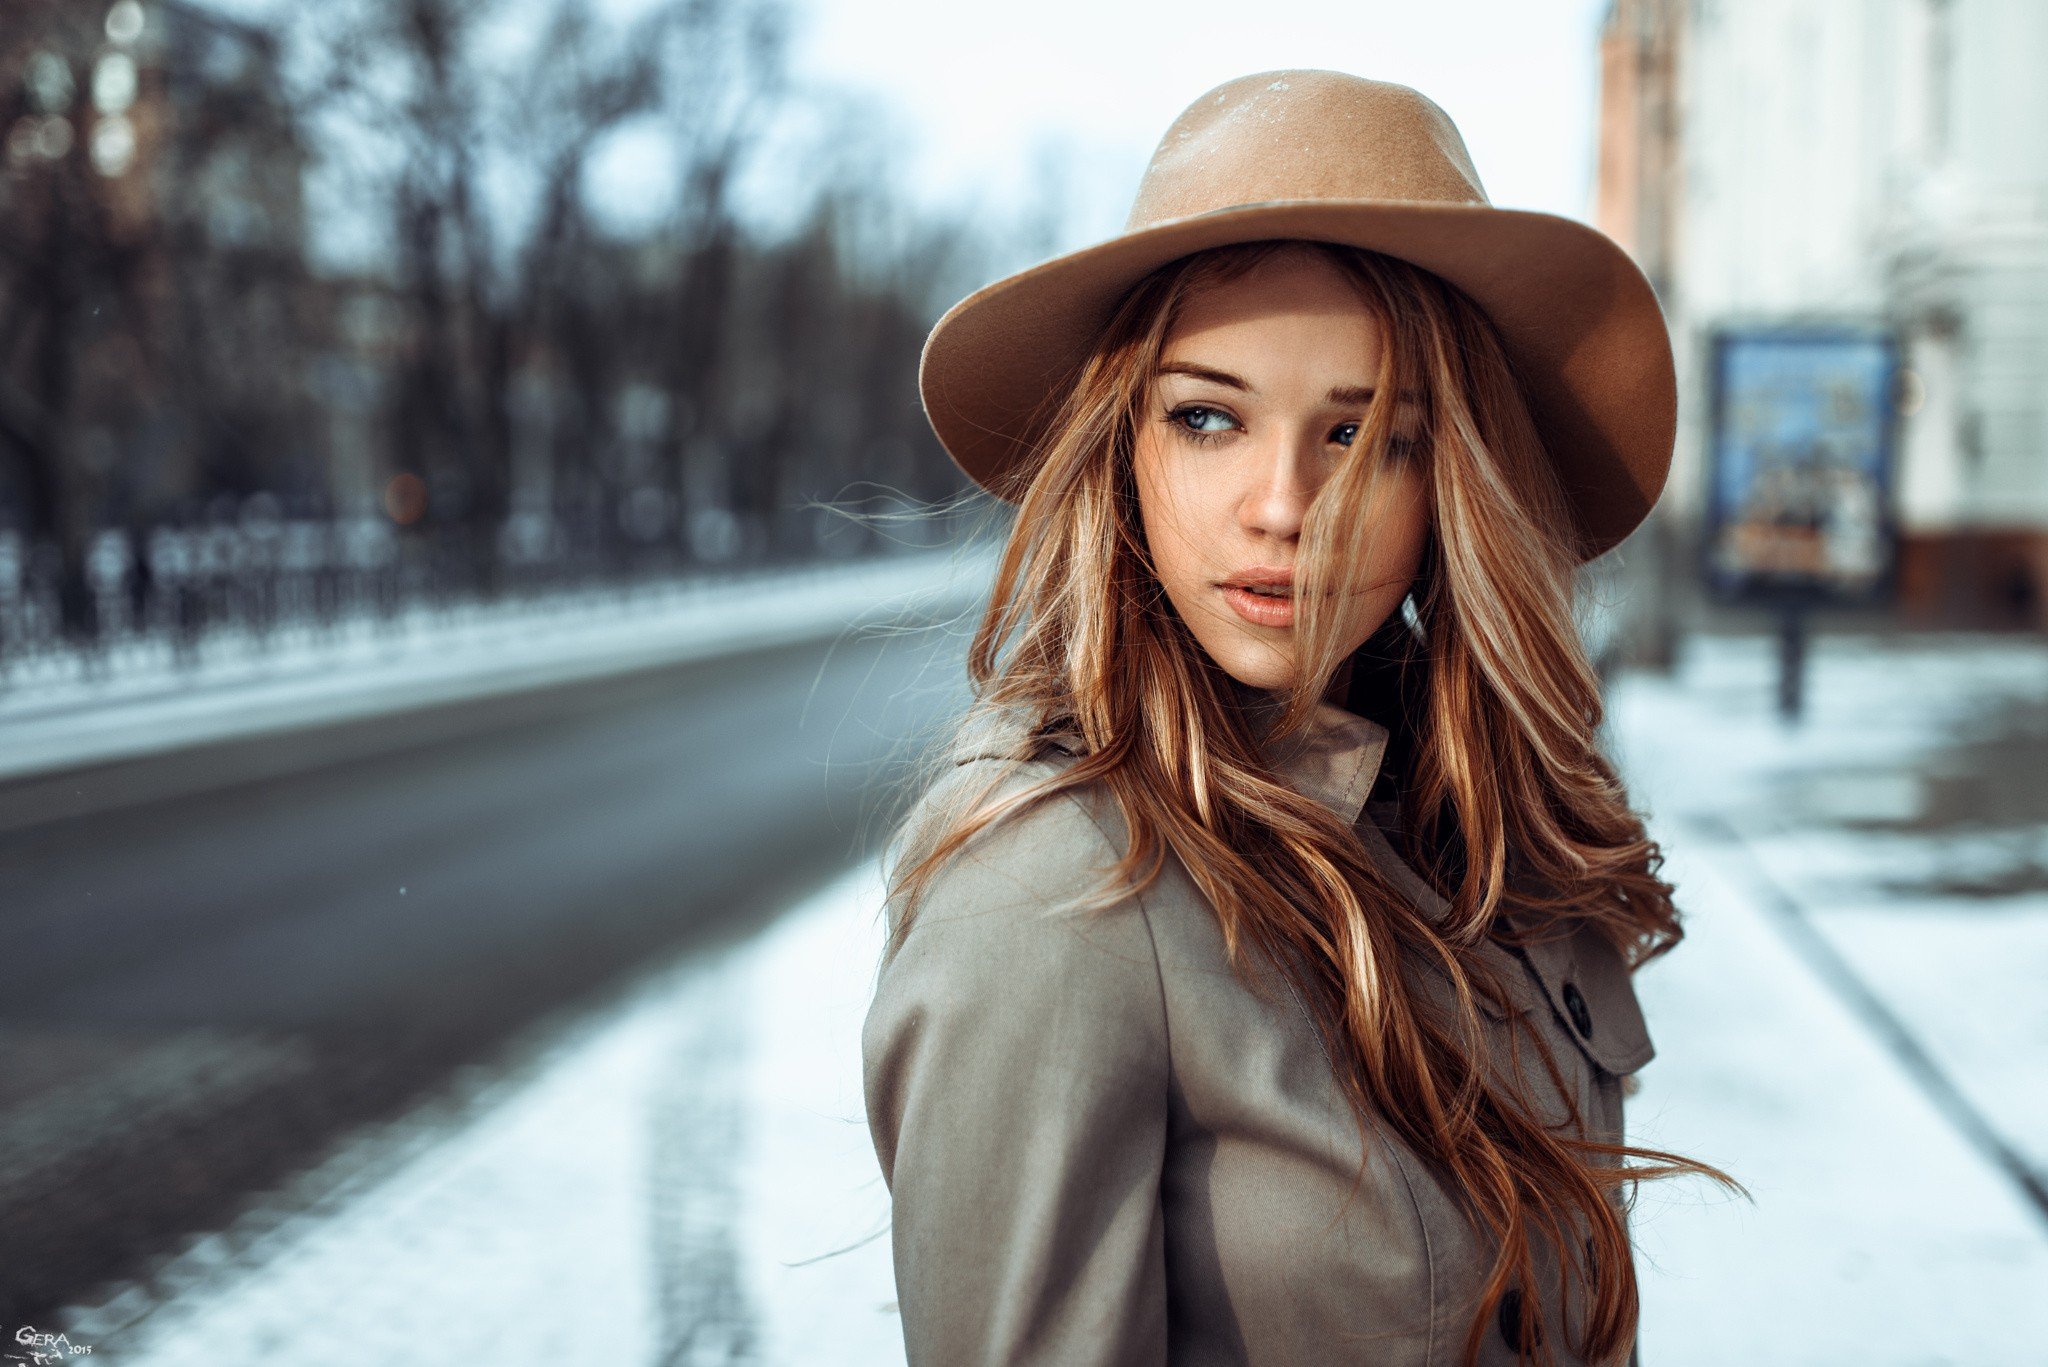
(1800, 465)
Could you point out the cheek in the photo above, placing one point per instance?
(1407, 518)
(1168, 517)
(1418, 533)
(1401, 529)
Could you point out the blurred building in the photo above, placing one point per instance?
(1859, 161)
(153, 223)
(180, 113)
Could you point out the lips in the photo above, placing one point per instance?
(1262, 596)
(1262, 579)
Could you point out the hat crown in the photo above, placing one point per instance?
(1304, 134)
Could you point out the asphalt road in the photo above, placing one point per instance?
(204, 989)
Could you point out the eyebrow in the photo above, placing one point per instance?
(1348, 394)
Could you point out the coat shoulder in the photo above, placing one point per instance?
(1012, 731)
(1022, 937)
(998, 756)
(1016, 1070)
(1043, 848)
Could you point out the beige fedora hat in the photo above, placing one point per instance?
(1333, 157)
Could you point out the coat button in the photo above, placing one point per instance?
(1511, 1319)
(1575, 1002)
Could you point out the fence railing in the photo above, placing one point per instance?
(173, 596)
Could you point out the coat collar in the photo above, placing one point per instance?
(1334, 759)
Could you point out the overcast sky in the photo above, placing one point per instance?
(970, 98)
(980, 85)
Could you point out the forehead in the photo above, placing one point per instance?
(1288, 315)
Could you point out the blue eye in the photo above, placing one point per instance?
(1192, 409)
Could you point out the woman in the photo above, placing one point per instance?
(1257, 987)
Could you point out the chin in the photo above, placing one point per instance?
(1256, 668)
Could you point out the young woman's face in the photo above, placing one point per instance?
(1263, 387)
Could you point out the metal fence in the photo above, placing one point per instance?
(167, 592)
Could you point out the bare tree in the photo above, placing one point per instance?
(480, 281)
(728, 75)
(504, 358)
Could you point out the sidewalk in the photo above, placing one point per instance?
(1882, 1232)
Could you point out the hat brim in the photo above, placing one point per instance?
(1580, 322)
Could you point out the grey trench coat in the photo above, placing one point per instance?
(1102, 1147)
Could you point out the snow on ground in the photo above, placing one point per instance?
(58, 718)
(1880, 1234)
(689, 1177)
(810, 1175)
(673, 1182)
(1878, 1237)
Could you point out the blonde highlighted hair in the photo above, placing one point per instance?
(1486, 690)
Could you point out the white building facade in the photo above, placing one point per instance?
(1858, 161)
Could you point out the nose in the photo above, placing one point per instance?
(1282, 476)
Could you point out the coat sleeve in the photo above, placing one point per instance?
(1015, 1071)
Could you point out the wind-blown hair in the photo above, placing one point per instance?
(1492, 710)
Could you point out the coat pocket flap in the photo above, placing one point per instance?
(1587, 984)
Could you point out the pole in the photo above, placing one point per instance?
(1791, 656)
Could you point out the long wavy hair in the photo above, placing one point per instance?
(1492, 709)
